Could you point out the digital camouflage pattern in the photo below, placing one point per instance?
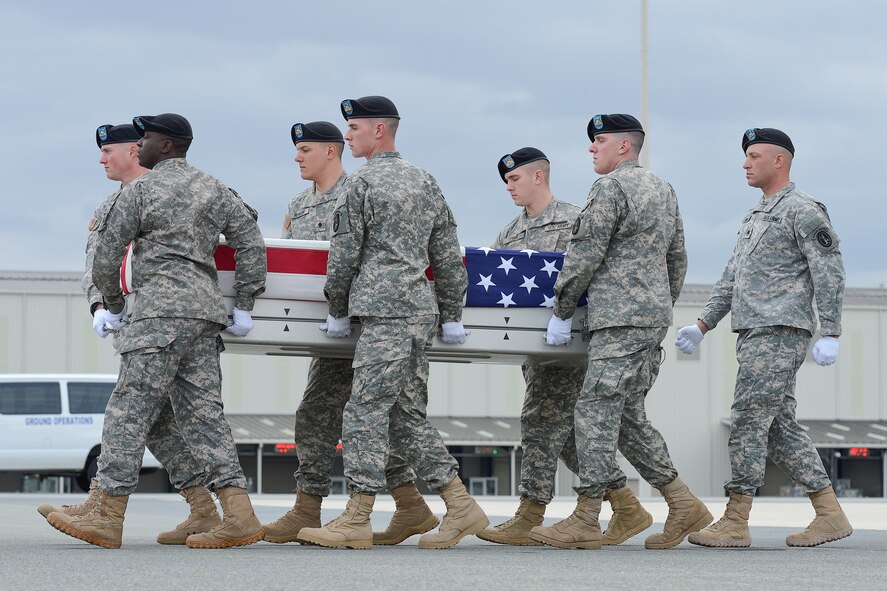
(762, 418)
(546, 427)
(173, 269)
(389, 403)
(627, 250)
(164, 440)
(623, 363)
(93, 295)
(173, 215)
(318, 426)
(389, 226)
(547, 414)
(310, 214)
(548, 232)
(786, 253)
(146, 385)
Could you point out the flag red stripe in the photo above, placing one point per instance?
(287, 260)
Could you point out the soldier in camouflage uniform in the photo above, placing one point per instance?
(547, 414)
(627, 250)
(389, 225)
(319, 146)
(120, 159)
(170, 350)
(787, 254)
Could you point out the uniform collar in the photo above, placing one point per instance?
(384, 155)
(334, 189)
(627, 164)
(170, 163)
(768, 203)
(545, 216)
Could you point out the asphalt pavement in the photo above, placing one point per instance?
(33, 555)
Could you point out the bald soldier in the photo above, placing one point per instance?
(786, 256)
(551, 389)
(390, 225)
(319, 146)
(627, 250)
(119, 156)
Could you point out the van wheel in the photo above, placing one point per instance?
(85, 477)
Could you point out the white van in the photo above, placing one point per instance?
(51, 424)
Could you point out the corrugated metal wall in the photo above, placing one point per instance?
(51, 332)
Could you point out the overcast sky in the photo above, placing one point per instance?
(472, 81)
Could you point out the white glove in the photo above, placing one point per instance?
(115, 321)
(688, 338)
(337, 328)
(559, 331)
(243, 323)
(98, 322)
(825, 351)
(453, 333)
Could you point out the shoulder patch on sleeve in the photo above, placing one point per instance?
(811, 223)
(341, 221)
(824, 238)
(580, 227)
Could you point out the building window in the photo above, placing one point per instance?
(338, 485)
(89, 397)
(30, 398)
(483, 486)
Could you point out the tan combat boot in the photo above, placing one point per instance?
(305, 513)
(88, 503)
(412, 516)
(731, 530)
(351, 529)
(629, 517)
(464, 517)
(516, 531)
(101, 526)
(830, 523)
(686, 514)
(239, 527)
(202, 518)
(581, 530)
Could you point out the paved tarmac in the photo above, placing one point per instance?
(33, 555)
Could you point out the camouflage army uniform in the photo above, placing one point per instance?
(786, 254)
(319, 416)
(173, 215)
(164, 439)
(547, 414)
(628, 251)
(390, 224)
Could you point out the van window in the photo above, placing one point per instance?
(89, 397)
(30, 398)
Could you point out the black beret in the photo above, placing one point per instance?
(767, 135)
(116, 134)
(612, 124)
(316, 131)
(518, 158)
(369, 107)
(168, 124)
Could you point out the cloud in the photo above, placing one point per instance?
(472, 80)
